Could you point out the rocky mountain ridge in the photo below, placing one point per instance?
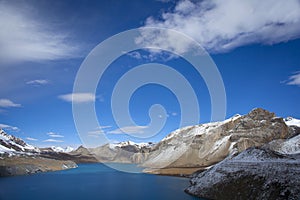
(201, 146)
(10, 144)
(19, 158)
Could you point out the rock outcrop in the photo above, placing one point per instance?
(256, 173)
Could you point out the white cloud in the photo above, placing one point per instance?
(100, 98)
(152, 54)
(95, 133)
(78, 97)
(135, 55)
(104, 127)
(9, 127)
(294, 79)
(224, 25)
(129, 130)
(24, 38)
(8, 103)
(55, 135)
(53, 140)
(98, 131)
(31, 139)
(174, 114)
(37, 82)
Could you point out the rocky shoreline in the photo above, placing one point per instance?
(180, 172)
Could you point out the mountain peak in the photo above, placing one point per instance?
(11, 144)
(261, 114)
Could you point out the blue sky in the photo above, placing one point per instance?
(254, 44)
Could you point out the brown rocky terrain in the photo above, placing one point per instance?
(23, 164)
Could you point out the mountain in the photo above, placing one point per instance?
(183, 151)
(256, 173)
(67, 149)
(270, 171)
(199, 147)
(123, 152)
(18, 158)
(11, 145)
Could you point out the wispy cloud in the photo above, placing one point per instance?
(78, 97)
(9, 127)
(25, 38)
(294, 79)
(5, 103)
(104, 127)
(95, 133)
(129, 130)
(224, 25)
(55, 135)
(174, 113)
(53, 140)
(98, 131)
(135, 55)
(151, 54)
(31, 139)
(37, 82)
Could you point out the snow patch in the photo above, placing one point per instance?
(290, 146)
(62, 150)
(290, 121)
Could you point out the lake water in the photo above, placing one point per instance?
(94, 181)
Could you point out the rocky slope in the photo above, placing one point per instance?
(24, 164)
(256, 173)
(201, 146)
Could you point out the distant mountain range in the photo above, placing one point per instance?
(67, 149)
(189, 148)
(259, 135)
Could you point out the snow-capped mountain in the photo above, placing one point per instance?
(203, 145)
(61, 149)
(130, 143)
(11, 144)
(290, 121)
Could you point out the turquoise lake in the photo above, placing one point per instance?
(94, 181)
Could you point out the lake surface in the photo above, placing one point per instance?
(94, 181)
